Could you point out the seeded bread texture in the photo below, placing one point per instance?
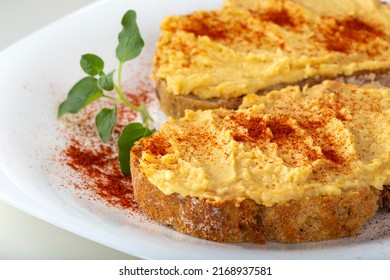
(304, 220)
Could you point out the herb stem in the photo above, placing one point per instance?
(119, 81)
(109, 97)
(118, 87)
(119, 90)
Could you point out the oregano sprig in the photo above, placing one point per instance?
(93, 87)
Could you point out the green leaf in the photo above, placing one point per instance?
(106, 81)
(91, 64)
(130, 134)
(81, 94)
(105, 122)
(130, 40)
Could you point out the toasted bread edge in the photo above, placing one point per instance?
(304, 220)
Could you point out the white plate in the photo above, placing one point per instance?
(36, 74)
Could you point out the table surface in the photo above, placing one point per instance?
(23, 236)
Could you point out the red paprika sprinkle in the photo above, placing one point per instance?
(96, 164)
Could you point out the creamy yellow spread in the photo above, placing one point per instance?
(286, 145)
(251, 45)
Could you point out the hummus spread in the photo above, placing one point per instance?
(289, 144)
(251, 45)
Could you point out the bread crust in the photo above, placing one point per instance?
(175, 105)
(385, 197)
(304, 220)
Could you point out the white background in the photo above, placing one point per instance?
(21, 235)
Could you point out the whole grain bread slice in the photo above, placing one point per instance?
(175, 105)
(303, 220)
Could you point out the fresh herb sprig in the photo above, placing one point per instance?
(93, 87)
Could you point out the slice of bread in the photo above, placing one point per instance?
(175, 105)
(211, 59)
(319, 157)
(303, 220)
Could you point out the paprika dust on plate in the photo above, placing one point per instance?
(96, 164)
